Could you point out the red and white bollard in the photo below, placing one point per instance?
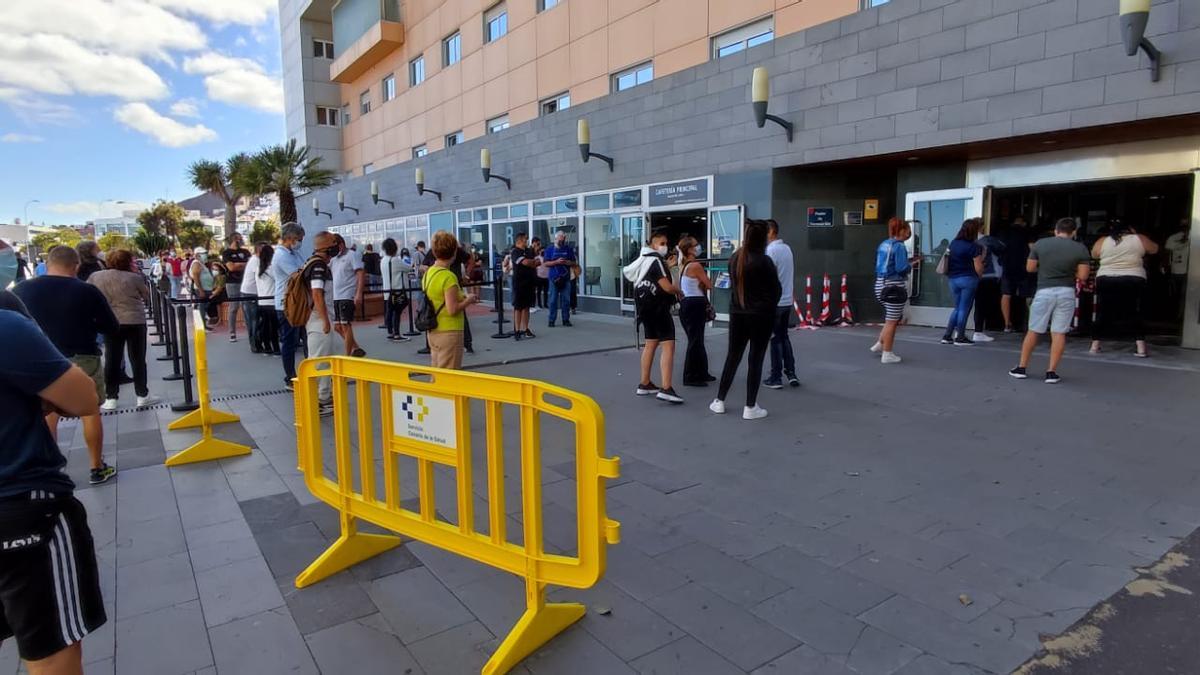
(1095, 305)
(847, 316)
(1075, 317)
(825, 315)
(808, 300)
(803, 322)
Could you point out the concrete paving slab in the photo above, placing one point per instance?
(165, 642)
(236, 591)
(267, 642)
(364, 646)
(154, 584)
(685, 656)
(416, 606)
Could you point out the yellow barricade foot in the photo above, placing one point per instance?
(346, 551)
(206, 449)
(535, 628)
(192, 420)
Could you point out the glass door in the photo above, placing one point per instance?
(936, 217)
(633, 238)
(724, 237)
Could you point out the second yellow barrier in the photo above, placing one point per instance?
(425, 414)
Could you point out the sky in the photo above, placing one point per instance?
(110, 100)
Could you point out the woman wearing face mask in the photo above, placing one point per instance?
(694, 312)
(202, 280)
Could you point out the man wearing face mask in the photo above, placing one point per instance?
(559, 259)
(203, 281)
(287, 259)
(321, 337)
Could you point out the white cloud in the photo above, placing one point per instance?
(248, 12)
(14, 137)
(185, 107)
(237, 81)
(129, 27)
(166, 131)
(90, 209)
(33, 109)
(53, 64)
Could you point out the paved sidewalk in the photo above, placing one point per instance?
(931, 517)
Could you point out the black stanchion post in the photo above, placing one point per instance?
(156, 314)
(189, 401)
(412, 303)
(173, 343)
(500, 320)
(168, 337)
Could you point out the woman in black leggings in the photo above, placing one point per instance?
(755, 293)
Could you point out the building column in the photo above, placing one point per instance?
(1191, 308)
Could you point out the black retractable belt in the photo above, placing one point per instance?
(189, 401)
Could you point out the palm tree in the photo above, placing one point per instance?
(222, 181)
(284, 170)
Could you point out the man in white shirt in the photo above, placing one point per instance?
(249, 289)
(783, 361)
(349, 280)
(1179, 247)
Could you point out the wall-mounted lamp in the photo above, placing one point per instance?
(421, 189)
(1134, 16)
(317, 209)
(375, 199)
(485, 164)
(585, 145)
(342, 203)
(760, 93)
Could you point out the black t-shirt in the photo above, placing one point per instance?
(318, 270)
(29, 363)
(229, 255)
(371, 263)
(87, 268)
(522, 274)
(70, 312)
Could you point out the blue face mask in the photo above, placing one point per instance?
(8, 267)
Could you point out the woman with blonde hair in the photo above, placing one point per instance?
(449, 303)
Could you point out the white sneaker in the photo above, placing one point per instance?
(982, 337)
(533, 310)
(877, 347)
(755, 413)
(889, 357)
(717, 406)
(143, 401)
(109, 404)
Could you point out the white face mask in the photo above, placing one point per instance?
(662, 250)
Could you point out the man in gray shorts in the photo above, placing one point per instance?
(1058, 261)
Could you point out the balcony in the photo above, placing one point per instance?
(364, 32)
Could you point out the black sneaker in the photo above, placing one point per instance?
(963, 340)
(793, 380)
(423, 350)
(288, 384)
(773, 383)
(568, 324)
(669, 396)
(529, 333)
(1018, 373)
(646, 389)
(233, 338)
(1052, 377)
(551, 324)
(469, 350)
(102, 474)
(517, 336)
(946, 340)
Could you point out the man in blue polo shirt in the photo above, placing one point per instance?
(49, 585)
(559, 259)
(287, 259)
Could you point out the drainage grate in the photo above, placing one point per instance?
(218, 399)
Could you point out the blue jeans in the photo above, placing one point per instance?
(289, 340)
(964, 299)
(560, 298)
(175, 283)
(783, 362)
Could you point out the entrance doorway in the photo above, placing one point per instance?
(1157, 207)
(679, 223)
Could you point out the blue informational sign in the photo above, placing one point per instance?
(820, 216)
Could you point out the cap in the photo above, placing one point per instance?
(199, 249)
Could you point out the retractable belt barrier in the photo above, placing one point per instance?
(425, 414)
(204, 417)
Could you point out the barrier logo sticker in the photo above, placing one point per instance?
(424, 418)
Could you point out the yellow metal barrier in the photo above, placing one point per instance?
(425, 414)
(205, 417)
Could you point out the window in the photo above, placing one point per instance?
(454, 138)
(345, 114)
(389, 88)
(495, 23)
(632, 77)
(327, 117)
(743, 38)
(364, 102)
(499, 212)
(553, 105)
(544, 5)
(868, 4)
(596, 202)
(566, 205)
(322, 49)
(416, 71)
(420, 151)
(543, 208)
(464, 216)
(519, 210)
(368, 168)
(452, 50)
(602, 256)
(627, 198)
(497, 124)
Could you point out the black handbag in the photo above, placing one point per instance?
(895, 292)
(426, 319)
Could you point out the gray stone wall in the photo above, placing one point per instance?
(909, 75)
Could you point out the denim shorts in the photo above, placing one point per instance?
(1052, 308)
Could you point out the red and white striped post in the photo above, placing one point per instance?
(808, 299)
(825, 316)
(1075, 317)
(1095, 305)
(847, 316)
(803, 322)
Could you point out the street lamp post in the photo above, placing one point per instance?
(31, 201)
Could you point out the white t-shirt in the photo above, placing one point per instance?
(781, 255)
(1180, 248)
(249, 285)
(345, 277)
(264, 284)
